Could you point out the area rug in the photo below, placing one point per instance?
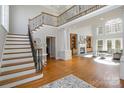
(69, 81)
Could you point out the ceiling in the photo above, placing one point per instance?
(58, 9)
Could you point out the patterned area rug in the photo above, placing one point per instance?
(69, 81)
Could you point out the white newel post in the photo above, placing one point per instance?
(122, 57)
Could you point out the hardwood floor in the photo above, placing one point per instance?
(96, 74)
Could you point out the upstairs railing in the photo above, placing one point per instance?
(77, 11)
(72, 13)
(43, 18)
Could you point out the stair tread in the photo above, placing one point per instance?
(18, 48)
(17, 67)
(19, 78)
(15, 64)
(17, 37)
(18, 44)
(16, 52)
(18, 40)
(17, 34)
(15, 56)
(17, 60)
(16, 71)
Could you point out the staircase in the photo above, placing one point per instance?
(17, 62)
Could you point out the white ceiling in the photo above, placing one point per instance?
(58, 9)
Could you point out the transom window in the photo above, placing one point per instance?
(111, 26)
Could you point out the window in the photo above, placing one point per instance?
(109, 45)
(117, 45)
(100, 45)
(113, 26)
(118, 27)
(100, 30)
(107, 28)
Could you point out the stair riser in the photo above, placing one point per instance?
(16, 67)
(16, 46)
(16, 61)
(17, 36)
(16, 50)
(15, 42)
(22, 81)
(17, 39)
(5, 77)
(9, 56)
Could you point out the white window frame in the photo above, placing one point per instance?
(97, 44)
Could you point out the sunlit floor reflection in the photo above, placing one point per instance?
(107, 61)
(89, 55)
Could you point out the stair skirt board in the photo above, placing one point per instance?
(16, 46)
(16, 61)
(16, 67)
(22, 81)
(5, 77)
(16, 50)
(16, 55)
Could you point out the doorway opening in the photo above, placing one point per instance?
(73, 43)
(51, 52)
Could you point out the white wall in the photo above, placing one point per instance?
(5, 16)
(43, 33)
(19, 15)
(0, 13)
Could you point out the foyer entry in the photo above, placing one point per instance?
(50, 41)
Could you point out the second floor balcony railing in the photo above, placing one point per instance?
(72, 13)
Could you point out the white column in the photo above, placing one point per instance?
(122, 57)
(94, 40)
(67, 51)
